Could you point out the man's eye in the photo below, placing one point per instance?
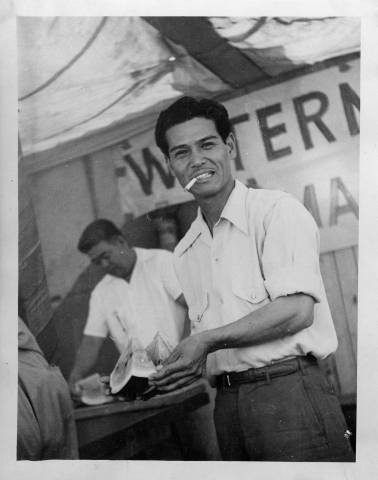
(181, 154)
(207, 145)
(99, 260)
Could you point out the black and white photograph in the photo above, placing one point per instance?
(188, 235)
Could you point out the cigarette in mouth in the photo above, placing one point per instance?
(190, 184)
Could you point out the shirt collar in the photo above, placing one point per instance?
(196, 229)
(235, 209)
(143, 254)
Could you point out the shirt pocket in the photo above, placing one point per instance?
(253, 292)
(198, 309)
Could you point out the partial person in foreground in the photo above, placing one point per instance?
(46, 427)
(138, 296)
(249, 270)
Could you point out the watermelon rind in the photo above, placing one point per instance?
(128, 366)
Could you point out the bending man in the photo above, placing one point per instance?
(138, 296)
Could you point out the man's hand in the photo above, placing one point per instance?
(105, 380)
(85, 360)
(75, 390)
(184, 365)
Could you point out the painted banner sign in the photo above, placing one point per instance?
(301, 136)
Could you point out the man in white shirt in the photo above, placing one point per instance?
(249, 270)
(138, 297)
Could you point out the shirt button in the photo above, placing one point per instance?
(253, 296)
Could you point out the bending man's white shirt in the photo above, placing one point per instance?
(265, 245)
(141, 307)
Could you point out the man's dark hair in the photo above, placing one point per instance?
(97, 231)
(187, 108)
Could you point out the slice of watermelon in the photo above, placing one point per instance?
(159, 349)
(130, 375)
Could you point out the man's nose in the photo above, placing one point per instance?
(197, 158)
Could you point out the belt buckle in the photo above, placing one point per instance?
(228, 379)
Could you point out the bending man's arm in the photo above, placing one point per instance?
(280, 318)
(85, 360)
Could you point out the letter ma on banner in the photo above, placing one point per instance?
(301, 136)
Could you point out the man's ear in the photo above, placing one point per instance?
(120, 240)
(231, 144)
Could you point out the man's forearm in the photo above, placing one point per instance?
(284, 316)
(86, 357)
(280, 318)
(81, 368)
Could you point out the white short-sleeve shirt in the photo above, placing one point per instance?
(140, 308)
(265, 245)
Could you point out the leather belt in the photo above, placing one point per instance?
(287, 367)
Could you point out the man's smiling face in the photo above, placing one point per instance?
(196, 150)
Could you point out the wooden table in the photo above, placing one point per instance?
(126, 429)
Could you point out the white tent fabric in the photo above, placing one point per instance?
(278, 43)
(82, 75)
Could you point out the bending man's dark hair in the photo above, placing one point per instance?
(97, 231)
(187, 108)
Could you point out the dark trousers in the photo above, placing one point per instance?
(295, 417)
